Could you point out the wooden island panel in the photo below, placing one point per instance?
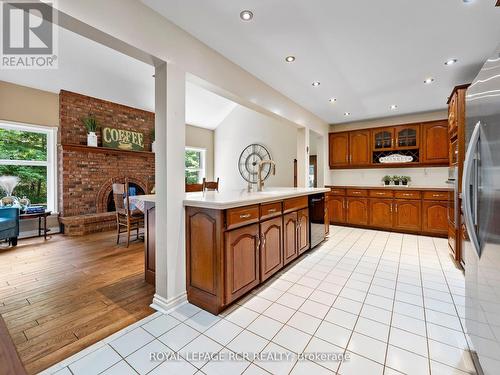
(231, 251)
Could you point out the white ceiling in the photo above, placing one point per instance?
(92, 69)
(368, 54)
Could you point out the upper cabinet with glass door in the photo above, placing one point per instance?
(383, 139)
(407, 137)
(404, 137)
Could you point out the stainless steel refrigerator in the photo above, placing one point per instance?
(481, 210)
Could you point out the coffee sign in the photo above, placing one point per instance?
(122, 139)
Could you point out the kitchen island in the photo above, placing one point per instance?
(236, 240)
(146, 203)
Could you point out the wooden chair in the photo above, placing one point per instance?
(127, 220)
(193, 187)
(210, 185)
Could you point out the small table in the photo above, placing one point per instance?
(39, 216)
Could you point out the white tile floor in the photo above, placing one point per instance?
(393, 303)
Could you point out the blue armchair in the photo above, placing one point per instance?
(9, 224)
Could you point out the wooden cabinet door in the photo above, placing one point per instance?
(435, 217)
(357, 211)
(336, 210)
(407, 137)
(359, 147)
(303, 230)
(407, 215)
(435, 143)
(290, 237)
(338, 149)
(452, 114)
(381, 213)
(271, 247)
(382, 139)
(242, 261)
(150, 252)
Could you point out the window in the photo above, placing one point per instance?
(195, 165)
(29, 153)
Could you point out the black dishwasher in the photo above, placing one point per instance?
(316, 219)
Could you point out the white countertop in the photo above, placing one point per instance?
(144, 198)
(237, 198)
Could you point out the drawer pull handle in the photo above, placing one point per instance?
(271, 210)
(436, 195)
(245, 216)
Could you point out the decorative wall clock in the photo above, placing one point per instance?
(248, 163)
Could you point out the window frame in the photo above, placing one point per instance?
(203, 157)
(51, 163)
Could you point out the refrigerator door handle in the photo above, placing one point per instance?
(469, 192)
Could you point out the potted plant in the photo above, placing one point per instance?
(91, 125)
(153, 141)
(405, 180)
(387, 180)
(396, 179)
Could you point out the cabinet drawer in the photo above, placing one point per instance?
(381, 193)
(357, 193)
(436, 195)
(237, 217)
(269, 210)
(294, 204)
(336, 191)
(407, 194)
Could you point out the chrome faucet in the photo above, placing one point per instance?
(260, 182)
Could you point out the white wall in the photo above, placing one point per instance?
(432, 177)
(390, 121)
(243, 127)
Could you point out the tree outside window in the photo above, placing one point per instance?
(25, 152)
(194, 165)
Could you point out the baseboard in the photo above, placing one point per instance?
(166, 305)
(475, 361)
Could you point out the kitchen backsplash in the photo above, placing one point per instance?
(432, 177)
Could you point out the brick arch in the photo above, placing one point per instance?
(107, 188)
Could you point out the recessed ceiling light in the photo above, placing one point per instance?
(290, 59)
(332, 100)
(393, 107)
(347, 114)
(451, 62)
(246, 15)
(429, 80)
(316, 83)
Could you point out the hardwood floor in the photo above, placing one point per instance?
(60, 296)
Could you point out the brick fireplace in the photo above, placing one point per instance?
(86, 174)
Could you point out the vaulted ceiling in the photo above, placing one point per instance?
(92, 69)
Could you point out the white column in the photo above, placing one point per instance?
(170, 134)
(302, 157)
(321, 160)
